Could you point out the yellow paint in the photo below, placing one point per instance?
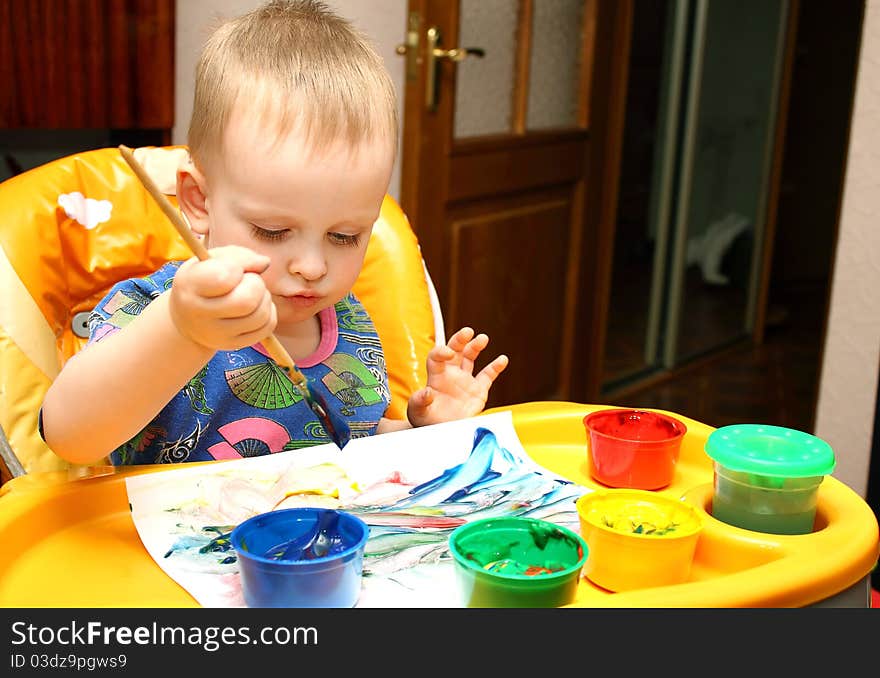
(641, 515)
(326, 480)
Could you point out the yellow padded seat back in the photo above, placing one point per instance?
(393, 288)
(73, 227)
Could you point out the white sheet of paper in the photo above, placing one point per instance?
(171, 509)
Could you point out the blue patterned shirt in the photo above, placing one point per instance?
(242, 404)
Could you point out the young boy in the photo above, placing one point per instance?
(292, 141)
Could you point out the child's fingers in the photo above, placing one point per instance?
(224, 270)
(491, 371)
(418, 405)
(249, 338)
(248, 313)
(212, 278)
(471, 352)
(438, 357)
(424, 397)
(248, 297)
(459, 340)
(248, 259)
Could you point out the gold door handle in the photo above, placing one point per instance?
(458, 53)
(435, 53)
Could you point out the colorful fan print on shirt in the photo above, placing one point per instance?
(139, 443)
(313, 434)
(194, 391)
(351, 318)
(175, 451)
(351, 381)
(249, 437)
(121, 309)
(264, 385)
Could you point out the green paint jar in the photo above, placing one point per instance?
(516, 562)
(767, 477)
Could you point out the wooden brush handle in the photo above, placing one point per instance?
(173, 214)
(276, 351)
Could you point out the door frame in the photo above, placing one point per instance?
(471, 172)
(607, 118)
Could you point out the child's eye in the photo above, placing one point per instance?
(345, 239)
(268, 234)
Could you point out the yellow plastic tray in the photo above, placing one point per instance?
(73, 543)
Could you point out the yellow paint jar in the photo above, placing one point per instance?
(637, 538)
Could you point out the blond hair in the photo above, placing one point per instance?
(292, 63)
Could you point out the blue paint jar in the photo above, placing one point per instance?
(276, 572)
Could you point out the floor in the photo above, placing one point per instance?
(774, 383)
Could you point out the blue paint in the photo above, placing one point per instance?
(332, 580)
(324, 540)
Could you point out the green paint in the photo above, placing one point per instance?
(516, 562)
(787, 507)
(539, 549)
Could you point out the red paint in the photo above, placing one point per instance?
(633, 448)
(533, 570)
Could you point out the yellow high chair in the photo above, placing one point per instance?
(73, 227)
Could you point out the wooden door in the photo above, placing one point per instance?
(495, 182)
(85, 64)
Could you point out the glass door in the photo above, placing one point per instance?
(726, 151)
(698, 142)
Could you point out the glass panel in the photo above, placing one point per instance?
(659, 36)
(700, 116)
(554, 77)
(723, 196)
(484, 87)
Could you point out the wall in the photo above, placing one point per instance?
(383, 21)
(848, 380)
(822, 86)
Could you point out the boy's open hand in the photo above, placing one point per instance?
(453, 392)
(222, 303)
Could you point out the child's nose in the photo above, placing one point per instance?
(309, 263)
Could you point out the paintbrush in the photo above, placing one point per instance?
(334, 423)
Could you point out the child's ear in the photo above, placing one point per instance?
(192, 198)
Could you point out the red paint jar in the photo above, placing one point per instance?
(631, 448)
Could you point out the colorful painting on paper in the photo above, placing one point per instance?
(411, 487)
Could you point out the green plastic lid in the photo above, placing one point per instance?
(770, 451)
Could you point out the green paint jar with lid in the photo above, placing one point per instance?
(767, 477)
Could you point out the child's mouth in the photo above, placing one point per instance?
(303, 300)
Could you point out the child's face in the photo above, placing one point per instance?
(311, 213)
